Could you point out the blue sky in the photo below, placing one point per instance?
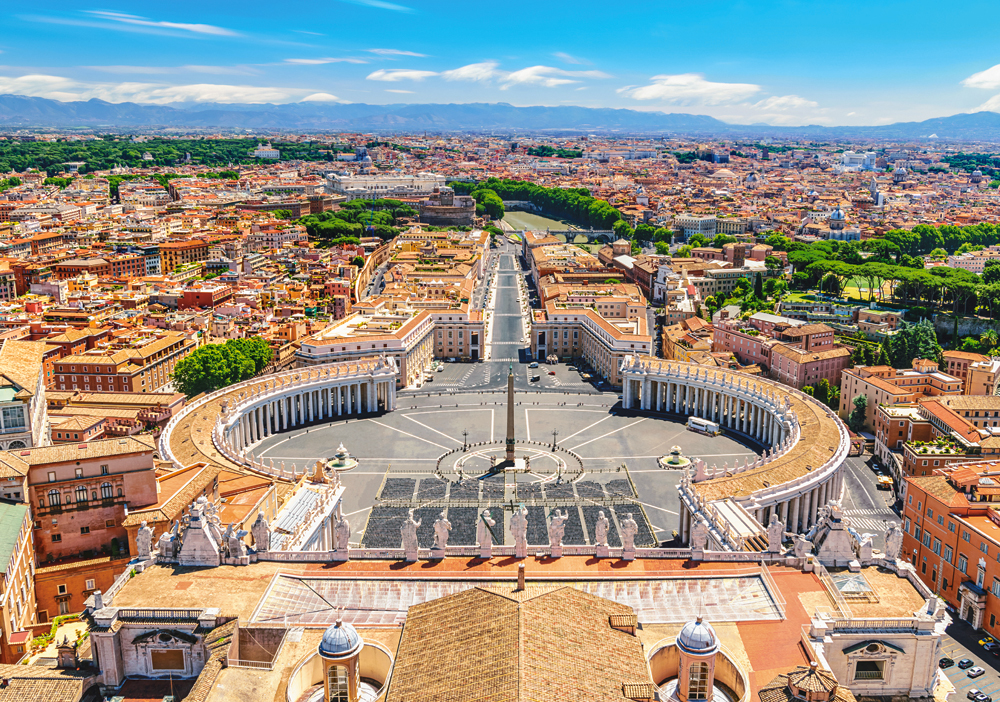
(785, 62)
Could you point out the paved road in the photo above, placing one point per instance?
(869, 509)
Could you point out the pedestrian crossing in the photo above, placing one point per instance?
(867, 520)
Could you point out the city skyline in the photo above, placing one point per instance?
(744, 63)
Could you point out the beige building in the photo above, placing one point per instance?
(407, 335)
(886, 385)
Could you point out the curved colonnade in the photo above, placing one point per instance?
(222, 427)
(800, 470)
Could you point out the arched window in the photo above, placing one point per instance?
(698, 682)
(106, 491)
(15, 445)
(54, 499)
(120, 493)
(81, 493)
(339, 688)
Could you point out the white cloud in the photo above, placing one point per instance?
(394, 75)
(474, 72)
(547, 76)
(322, 61)
(785, 102)
(991, 105)
(320, 97)
(394, 52)
(987, 80)
(67, 89)
(381, 5)
(691, 88)
(403, 92)
(144, 22)
(569, 58)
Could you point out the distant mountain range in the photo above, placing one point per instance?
(17, 111)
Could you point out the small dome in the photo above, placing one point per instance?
(339, 641)
(837, 214)
(977, 173)
(698, 637)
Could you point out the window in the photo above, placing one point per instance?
(965, 537)
(106, 491)
(13, 418)
(85, 530)
(869, 670)
(947, 553)
(79, 472)
(172, 659)
(698, 681)
(927, 538)
(104, 470)
(930, 512)
(995, 588)
(984, 547)
(951, 527)
(81, 493)
(339, 688)
(61, 589)
(54, 498)
(109, 523)
(52, 476)
(963, 563)
(56, 538)
(937, 547)
(89, 585)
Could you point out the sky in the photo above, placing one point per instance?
(783, 62)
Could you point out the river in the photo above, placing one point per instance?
(529, 220)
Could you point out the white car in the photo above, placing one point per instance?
(975, 672)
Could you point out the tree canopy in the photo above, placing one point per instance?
(214, 366)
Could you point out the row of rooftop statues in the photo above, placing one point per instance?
(485, 534)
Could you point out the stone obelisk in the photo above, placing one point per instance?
(510, 414)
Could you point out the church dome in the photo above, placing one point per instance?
(977, 173)
(698, 637)
(339, 641)
(837, 214)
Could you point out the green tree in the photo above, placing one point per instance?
(773, 263)
(489, 202)
(939, 254)
(282, 214)
(662, 248)
(256, 349)
(758, 286)
(991, 272)
(822, 390)
(856, 419)
(358, 261)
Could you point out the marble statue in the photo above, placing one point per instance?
(341, 534)
(893, 541)
(775, 534)
(226, 536)
(164, 545)
(441, 528)
(409, 533)
(629, 530)
(557, 527)
(519, 530)
(144, 541)
(601, 529)
(237, 547)
(803, 546)
(261, 534)
(699, 534)
(484, 537)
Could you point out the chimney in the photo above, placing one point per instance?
(520, 577)
(98, 600)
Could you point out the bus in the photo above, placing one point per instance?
(703, 426)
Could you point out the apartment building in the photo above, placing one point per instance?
(145, 364)
(886, 385)
(178, 253)
(17, 560)
(951, 527)
(23, 416)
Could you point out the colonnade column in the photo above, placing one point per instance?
(794, 526)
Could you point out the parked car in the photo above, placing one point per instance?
(965, 663)
(987, 640)
(971, 694)
(975, 672)
(884, 482)
(983, 697)
(533, 364)
(945, 663)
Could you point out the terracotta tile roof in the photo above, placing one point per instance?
(31, 682)
(939, 487)
(499, 645)
(805, 679)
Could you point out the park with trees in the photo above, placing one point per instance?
(214, 366)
